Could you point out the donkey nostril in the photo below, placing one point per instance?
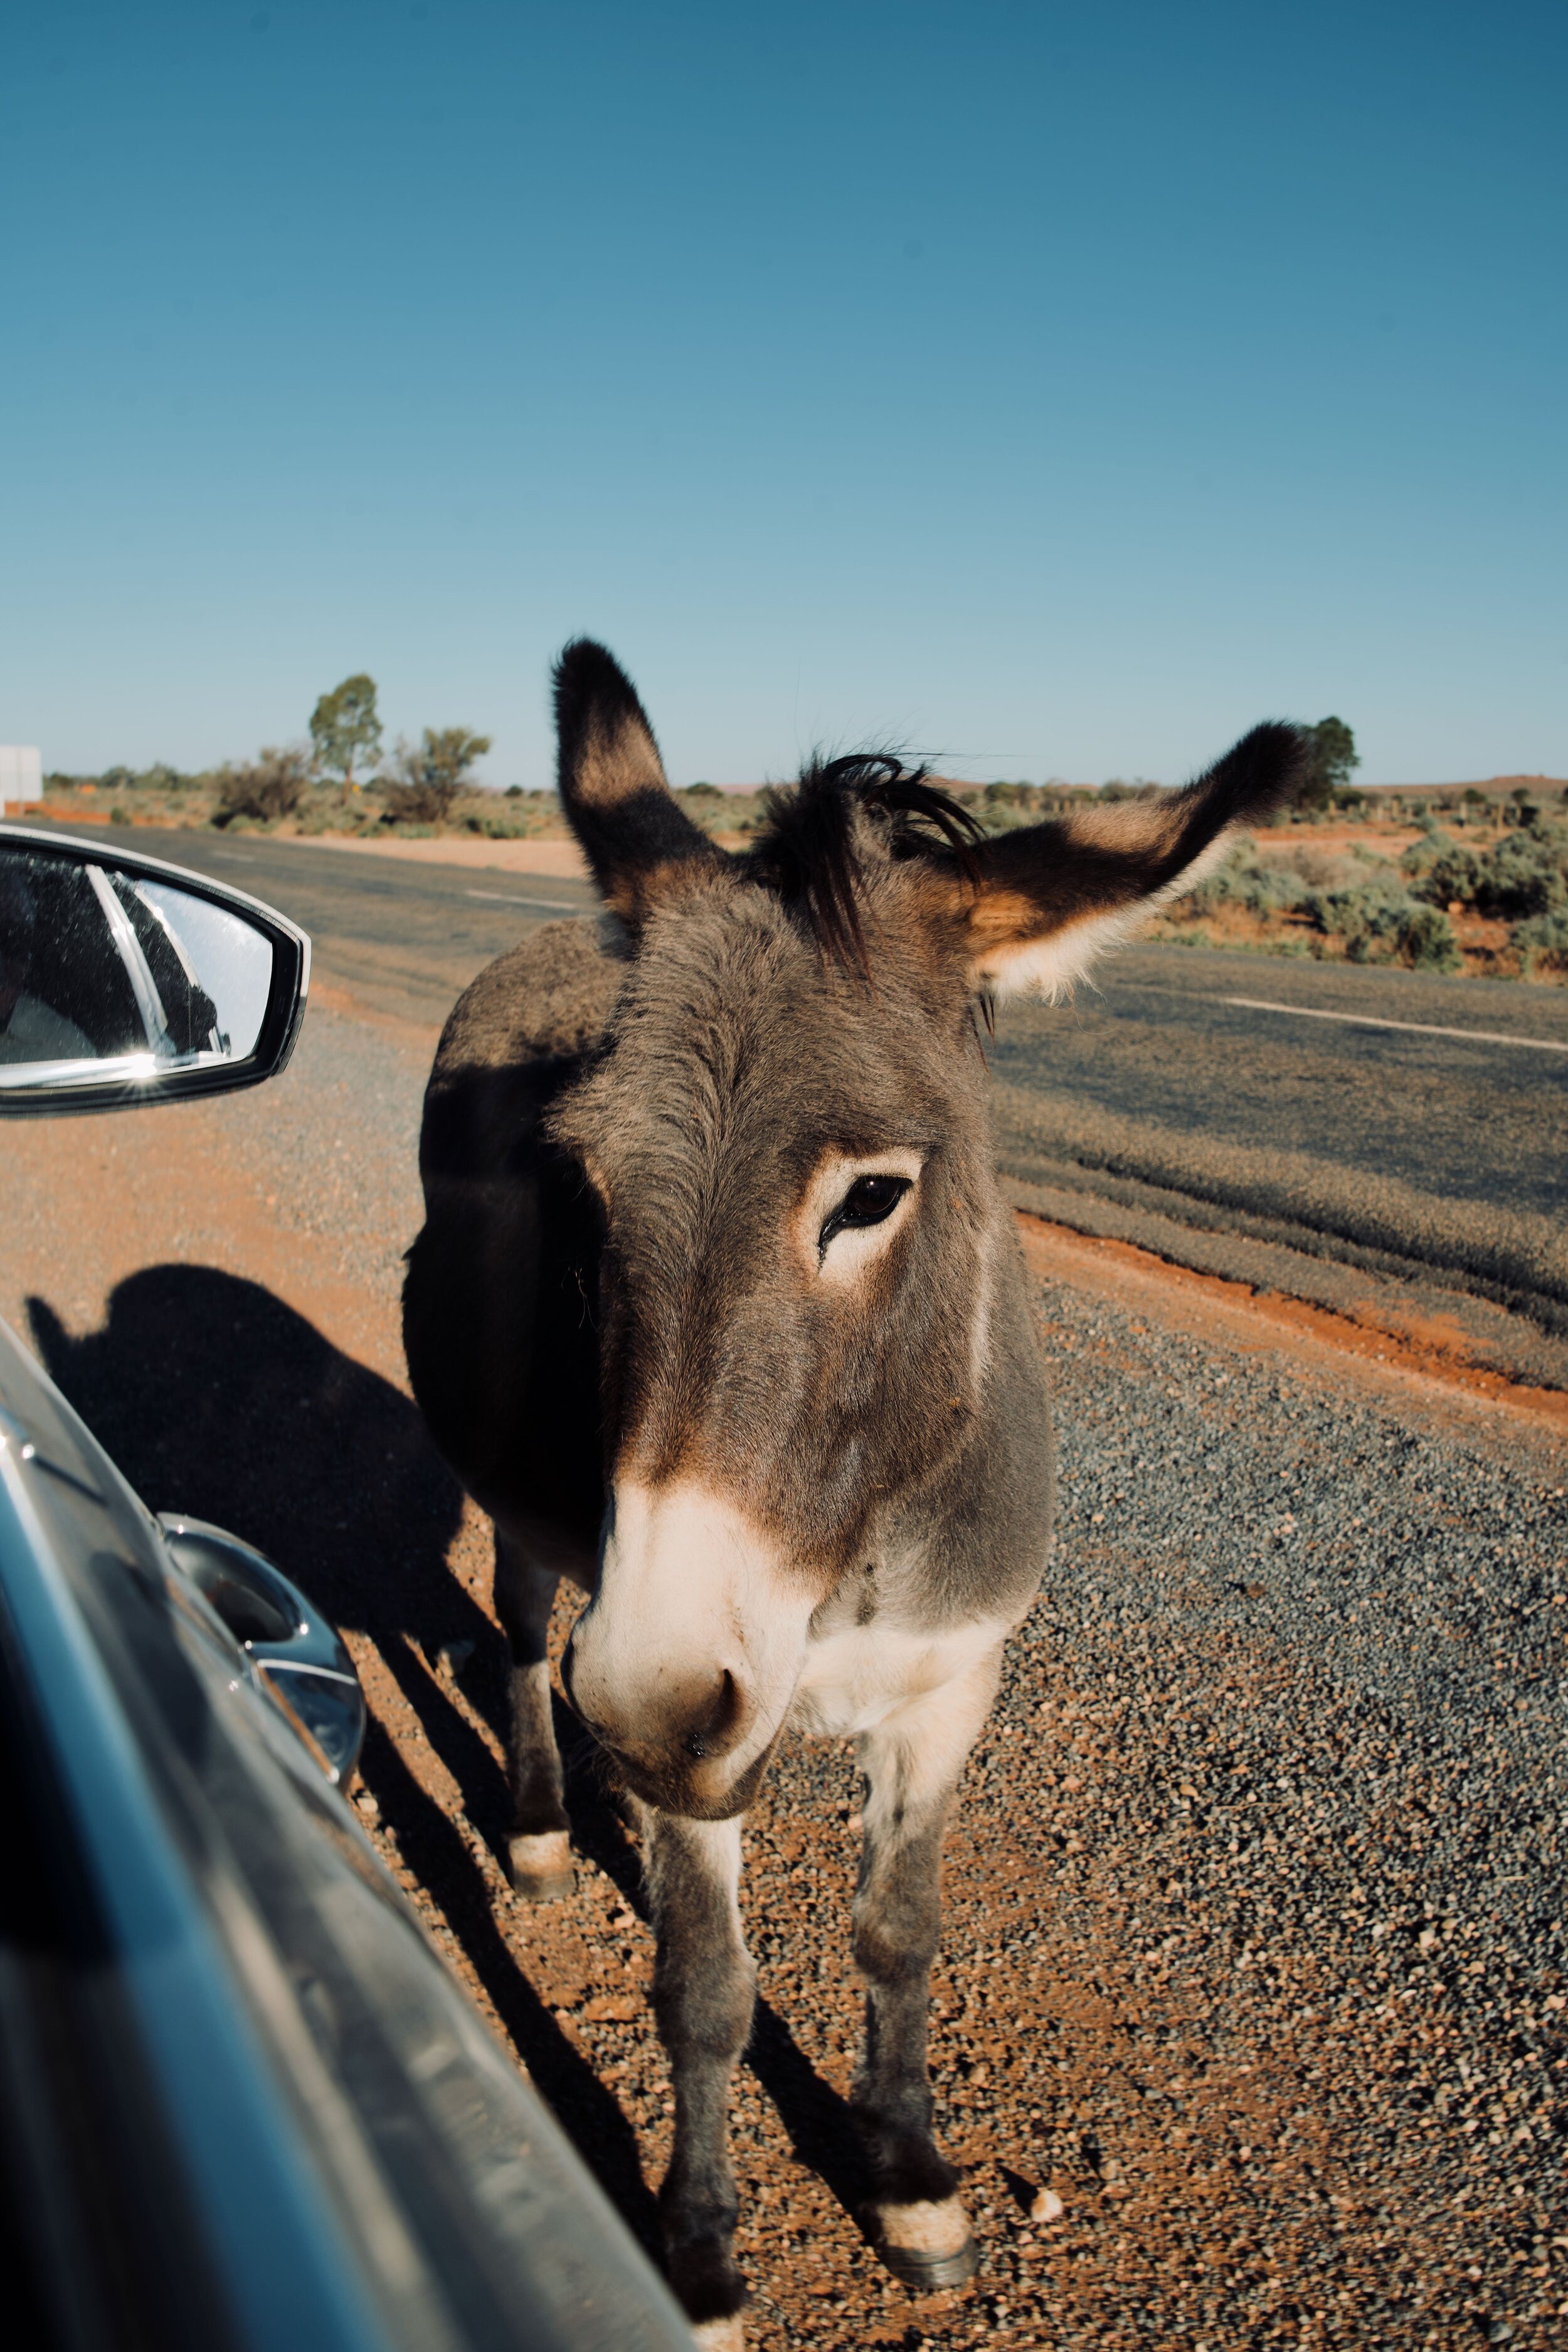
(719, 1728)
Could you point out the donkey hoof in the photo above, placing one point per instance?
(540, 1868)
(926, 2246)
(726, 2334)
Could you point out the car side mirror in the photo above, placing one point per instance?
(125, 980)
(298, 1656)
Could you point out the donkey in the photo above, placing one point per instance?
(717, 1311)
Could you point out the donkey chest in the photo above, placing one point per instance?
(855, 1676)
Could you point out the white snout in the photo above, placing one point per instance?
(691, 1590)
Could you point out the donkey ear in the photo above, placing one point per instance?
(1043, 902)
(612, 782)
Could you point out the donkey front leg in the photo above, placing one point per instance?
(704, 1985)
(912, 1761)
(538, 1850)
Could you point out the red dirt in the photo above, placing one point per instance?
(1429, 1350)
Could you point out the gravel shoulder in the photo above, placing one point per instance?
(1255, 1950)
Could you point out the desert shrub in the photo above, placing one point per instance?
(1425, 941)
(1440, 869)
(496, 825)
(1264, 886)
(1526, 875)
(1325, 869)
(1005, 807)
(1368, 915)
(427, 776)
(1542, 944)
(273, 786)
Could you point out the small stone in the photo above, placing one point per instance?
(1047, 2207)
(364, 1799)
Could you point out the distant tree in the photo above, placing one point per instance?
(345, 730)
(427, 777)
(1331, 756)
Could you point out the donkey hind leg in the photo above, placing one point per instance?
(912, 1761)
(538, 1850)
(704, 1986)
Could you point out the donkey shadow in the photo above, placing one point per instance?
(216, 1398)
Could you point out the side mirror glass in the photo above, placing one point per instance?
(125, 980)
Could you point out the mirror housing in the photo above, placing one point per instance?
(297, 1657)
(126, 981)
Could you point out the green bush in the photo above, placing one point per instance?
(272, 787)
(1442, 869)
(1526, 874)
(1248, 880)
(1542, 944)
(1379, 921)
(1425, 941)
(1522, 875)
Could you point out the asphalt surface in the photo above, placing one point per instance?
(404, 939)
(1256, 1951)
(1316, 1129)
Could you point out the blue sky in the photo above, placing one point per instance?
(1058, 389)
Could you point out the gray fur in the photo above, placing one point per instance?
(613, 1301)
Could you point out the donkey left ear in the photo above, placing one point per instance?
(1043, 902)
(613, 788)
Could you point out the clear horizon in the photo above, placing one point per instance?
(1048, 393)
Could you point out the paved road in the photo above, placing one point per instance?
(1180, 1037)
(1241, 1113)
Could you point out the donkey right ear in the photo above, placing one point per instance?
(612, 783)
(1040, 904)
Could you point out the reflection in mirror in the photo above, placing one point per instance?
(106, 974)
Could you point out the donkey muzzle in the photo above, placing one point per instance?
(684, 1664)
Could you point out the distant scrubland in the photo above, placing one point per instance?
(1471, 879)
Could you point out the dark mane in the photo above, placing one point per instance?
(807, 851)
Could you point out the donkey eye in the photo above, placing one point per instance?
(868, 1201)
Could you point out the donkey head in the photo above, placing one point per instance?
(785, 1125)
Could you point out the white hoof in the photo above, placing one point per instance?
(541, 1868)
(929, 2246)
(941, 2229)
(721, 2334)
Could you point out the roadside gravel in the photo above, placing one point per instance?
(1254, 1948)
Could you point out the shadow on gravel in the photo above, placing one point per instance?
(216, 1399)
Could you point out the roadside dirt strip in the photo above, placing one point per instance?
(1256, 1943)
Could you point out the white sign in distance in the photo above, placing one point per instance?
(21, 773)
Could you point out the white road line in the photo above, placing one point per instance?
(506, 898)
(1415, 1028)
